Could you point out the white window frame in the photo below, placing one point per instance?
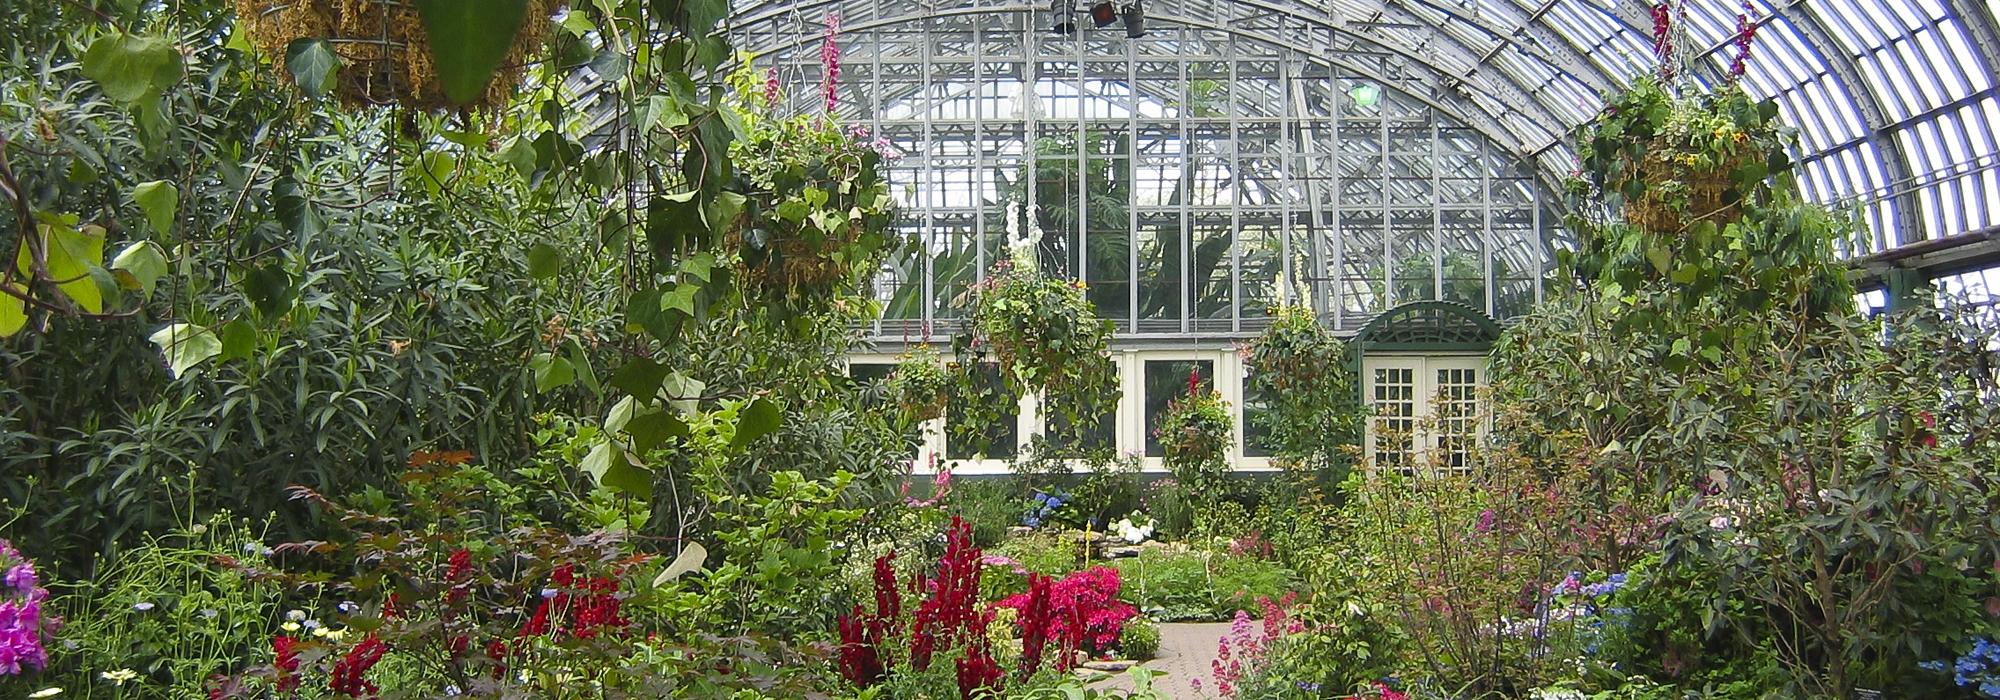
(1129, 423)
(1424, 370)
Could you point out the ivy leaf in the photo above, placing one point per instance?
(551, 372)
(433, 170)
(140, 266)
(700, 265)
(71, 255)
(580, 362)
(758, 419)
(312, 64)
(681, 299)
(544, 261)
(520, 153)
(131, 68)
(13, 312)
(270, 289)
(469, 39)
(689, 560)
(160, 200)
(185, 346)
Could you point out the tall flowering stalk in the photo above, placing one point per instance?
(21, 622)
(829, 59)
(1242, 653)
(1663, 39)
(1746, 33)
(946, 618)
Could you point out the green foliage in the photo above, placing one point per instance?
(989, 505)
(1303, 376)
(1140, 639)
(1174, 585)
(1195, 432)
(174, 611)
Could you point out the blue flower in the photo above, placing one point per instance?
(1990, 689)
(1932, 666)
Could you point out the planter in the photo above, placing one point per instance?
(385, 56)
(1709, 194)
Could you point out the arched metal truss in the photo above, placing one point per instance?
(1895, 101)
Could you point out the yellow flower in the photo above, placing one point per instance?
(290, 627)
(46, 693)
(331, 635)
(120, 676)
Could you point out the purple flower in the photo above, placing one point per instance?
(1486, 520)
(21, 578)
(21, 638)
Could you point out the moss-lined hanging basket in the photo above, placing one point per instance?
(1681, 192)
(384, 51)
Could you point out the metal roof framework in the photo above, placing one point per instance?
(1895, 102)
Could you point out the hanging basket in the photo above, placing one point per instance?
(1710, 194)
(384, 54)
(790, 264)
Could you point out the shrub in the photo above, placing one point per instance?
(1084, 606)
(1140, 640)
(990, 506)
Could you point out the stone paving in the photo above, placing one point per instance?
(1186, 650)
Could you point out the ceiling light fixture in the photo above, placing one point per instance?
(1365, 94)
(1104, 13)
(1135, 20)
(1062, 14)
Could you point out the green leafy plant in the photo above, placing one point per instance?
(1303, 376)
(1195, 432)
(1140, 639)
(186, 605)
(1175, 585)
(920, 384)
(1047, 338)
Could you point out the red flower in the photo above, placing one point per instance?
(351, 671)
(285, 653)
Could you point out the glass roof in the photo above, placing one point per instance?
(1895, 100)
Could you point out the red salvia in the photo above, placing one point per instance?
(1037, 618)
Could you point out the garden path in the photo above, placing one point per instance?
(1186, 650)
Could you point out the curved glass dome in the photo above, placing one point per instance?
(1361, 154)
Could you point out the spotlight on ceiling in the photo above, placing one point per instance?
(1135, 20)
(1065, 22)
(1103, 13)
(1365, 94)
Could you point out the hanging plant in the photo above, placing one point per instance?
(921, 384)
(1047, 337)
(819, 209)
(1306, 383)
(1194, 432)
(379, 52)
(1674, 159)
(1677, 161)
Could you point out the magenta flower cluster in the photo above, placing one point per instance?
(21, 621)
(829, 59)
